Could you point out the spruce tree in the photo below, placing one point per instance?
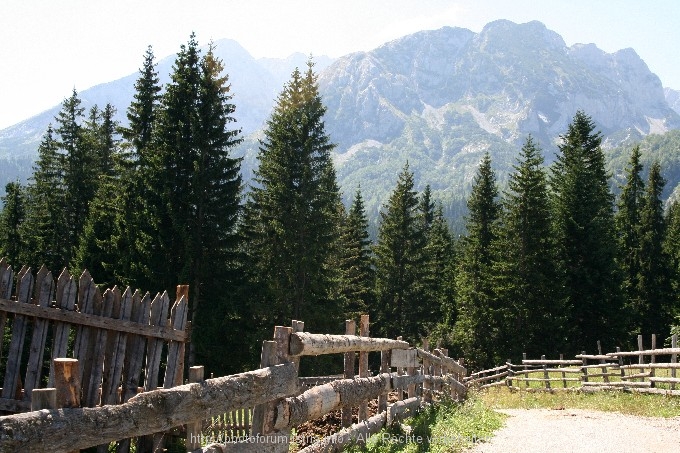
(476, 332)
(134, 230)
(671, 248)
(12, 217)
(654, 305)
(628, 227)
(45, 229)
(399, 262)
(526, 277)
(80, 176)
(438, 315)
(584, 230)
(291, 216)
(357, 275)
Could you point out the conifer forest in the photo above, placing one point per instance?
(549, 263)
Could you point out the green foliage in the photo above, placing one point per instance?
(291, 221)
(399, 261)
(476, 330)
(446, 427)
(525, 272)
(584, 230)
(655, 297)
(356, 265)
(12, 217)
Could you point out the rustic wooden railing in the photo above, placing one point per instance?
(273, 391)
(591, 372)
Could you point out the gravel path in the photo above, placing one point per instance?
(575, 430)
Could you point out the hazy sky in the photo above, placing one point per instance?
(47, 47)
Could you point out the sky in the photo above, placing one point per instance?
(49, 47)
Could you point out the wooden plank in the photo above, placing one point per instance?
(6, 281)
(174, 367)
(103, 306)
(146, 413)
(668, 380)
(82, 349)
(674, 357)
(88, 320)
(670, 366)
(403, 358)
(159, 317)
(136, 344)
(67, 292)
(13, 405)
(384, 368)
(44, 289)
(304, 343)
(115, 351)
(12, 380)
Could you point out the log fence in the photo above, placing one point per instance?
(252, 411)
(590, 372)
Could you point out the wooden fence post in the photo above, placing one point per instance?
(641, 357)
(427, 370)
(194, 430)
(525, 368)
(67, 382)
(43, 399)
(545, 374)
(585, 364)
(385, 357)
(653, 360)
(674, 357)
(268, 358)
(363, 364)
(602, 361)
(350, 329)
(564, 381)
(511, 373)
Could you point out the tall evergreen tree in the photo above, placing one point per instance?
(399, 261)
(12, 217)
(80, 176)
(357, 274)
(475, 331)
(628, 227)
(672, 250)
(584, 229)
(291, 216)
(45, 229)
(654, 304)
(526, 277)
(134, 230)
(439, 275)
(194, 201)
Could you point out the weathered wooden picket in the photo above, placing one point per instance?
(118, 338)
(590, 372)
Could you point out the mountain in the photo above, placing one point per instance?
(442, 98)
(438, 99)
(673, 98)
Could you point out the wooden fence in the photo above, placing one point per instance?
(119, 339)
(278, 400)
(591, 372)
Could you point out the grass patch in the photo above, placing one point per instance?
(447, 427)
(609, 401)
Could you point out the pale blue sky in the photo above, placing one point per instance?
(49, 46)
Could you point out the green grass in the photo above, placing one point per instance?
(610, 401)
(448, 427)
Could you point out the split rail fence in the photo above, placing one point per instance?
(640, 371)
(255, 411)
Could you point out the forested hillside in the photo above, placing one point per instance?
(551, 261)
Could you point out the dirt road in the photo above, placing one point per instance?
(575, 430)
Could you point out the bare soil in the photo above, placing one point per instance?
(576, 430)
